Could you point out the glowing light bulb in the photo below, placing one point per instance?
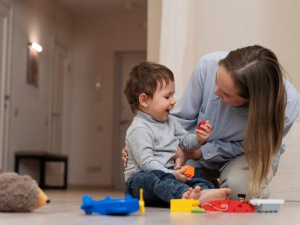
(36, 47)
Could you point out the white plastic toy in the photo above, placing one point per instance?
(267, 205)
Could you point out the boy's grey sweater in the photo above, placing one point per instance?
(152, 144)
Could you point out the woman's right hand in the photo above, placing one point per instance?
(124, 157)
(179, 158)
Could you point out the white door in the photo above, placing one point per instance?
(60, 100)
(124, 63)
(4, 83)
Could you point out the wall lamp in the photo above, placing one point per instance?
(35, 46)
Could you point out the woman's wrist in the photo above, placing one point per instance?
(195, 155)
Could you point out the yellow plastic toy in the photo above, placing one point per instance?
(184, 205)
(141, 202)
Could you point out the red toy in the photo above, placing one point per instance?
(228, 206)
(199, 125)
(190, 172)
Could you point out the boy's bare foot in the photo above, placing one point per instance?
(214, 194)
(192, 193)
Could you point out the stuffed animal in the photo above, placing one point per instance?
(20, 193)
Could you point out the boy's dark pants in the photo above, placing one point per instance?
(160, 187)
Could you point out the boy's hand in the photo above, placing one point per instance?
(179, 174)
(204, 133)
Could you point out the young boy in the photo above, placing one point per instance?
(153, 138)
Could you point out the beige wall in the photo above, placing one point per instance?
(154, 25)
(227, 25)
(38, 21)
(92, 41)
(96, 40)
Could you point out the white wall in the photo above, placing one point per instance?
(228, 25)
(96, 40)
(38, 21)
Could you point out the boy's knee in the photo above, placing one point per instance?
(198, 173)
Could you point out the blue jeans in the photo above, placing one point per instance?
(160, 187)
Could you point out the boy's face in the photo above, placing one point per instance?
(162, 102)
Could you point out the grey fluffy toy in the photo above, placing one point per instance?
(20, 193)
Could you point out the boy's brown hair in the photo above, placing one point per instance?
(144, 78)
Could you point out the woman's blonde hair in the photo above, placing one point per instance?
(258, 76)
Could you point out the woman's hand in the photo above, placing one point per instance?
(124, 157)
(195, 155)
(179, 159)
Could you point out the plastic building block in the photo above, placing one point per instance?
(267, 205)
(190, 172)
(110, 206)
(199, 125)
(183, 205)
(228, 206)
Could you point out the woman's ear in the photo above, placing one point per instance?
(143, 99)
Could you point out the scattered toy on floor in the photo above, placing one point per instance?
(242, 205)
(142, 202)
(267, 205)
(20, 193)
(185, 205)
(228, 206)
(110, 206)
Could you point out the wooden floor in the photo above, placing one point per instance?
(65, 205)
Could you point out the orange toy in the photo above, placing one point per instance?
(190, 172)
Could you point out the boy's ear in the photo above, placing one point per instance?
(143, 99)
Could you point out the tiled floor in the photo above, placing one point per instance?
(65, 205)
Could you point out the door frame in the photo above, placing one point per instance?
(5, 90)
(67, 91)
(118, 90)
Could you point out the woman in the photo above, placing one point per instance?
(250, 106)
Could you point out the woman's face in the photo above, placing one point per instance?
(226, 89)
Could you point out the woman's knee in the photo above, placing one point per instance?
(243, 188)
(236, 185)
(237, 177)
